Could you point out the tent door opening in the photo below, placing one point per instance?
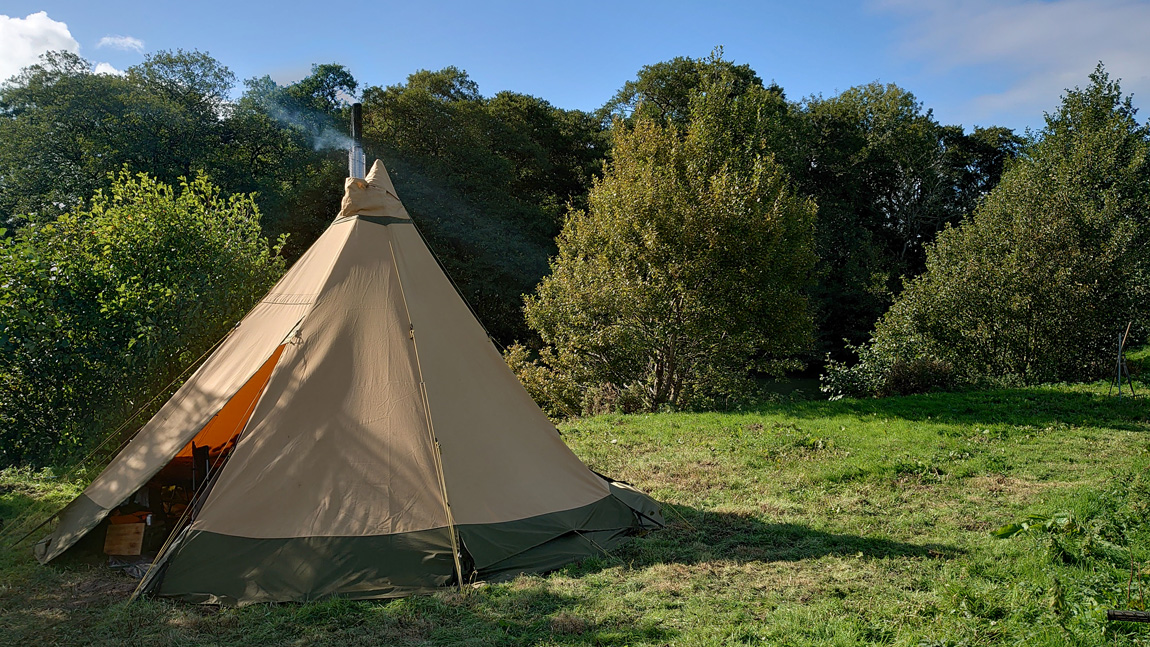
(167, 503)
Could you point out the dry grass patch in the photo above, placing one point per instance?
(567, 623)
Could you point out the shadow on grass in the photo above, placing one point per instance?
(530, 610)
(73, 606)
(1033, 406)
(13, 505)
(20, 512)
(693, 536)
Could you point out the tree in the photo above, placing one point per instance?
(1038, 281)
(324, 91)
(105, 305)
(663, 91)
(65, 130)
(194, 79)
(57, 123)
(687, 271)
(449, 85)
(486, 179)
(887, 178)
(554, 152)
(288, 145)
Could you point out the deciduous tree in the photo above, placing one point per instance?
(1037, 283)
(687, 271)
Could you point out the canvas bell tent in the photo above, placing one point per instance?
(357, 435)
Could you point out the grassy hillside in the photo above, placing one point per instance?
(799, 522)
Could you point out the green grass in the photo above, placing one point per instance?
(800, 522)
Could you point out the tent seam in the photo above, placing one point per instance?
(430, 425)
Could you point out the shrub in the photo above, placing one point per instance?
(878, 374)
(917, 375)
(557, 396)
(103, 307)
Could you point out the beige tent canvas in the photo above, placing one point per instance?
(357, 435)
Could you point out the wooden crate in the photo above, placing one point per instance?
(124, 539)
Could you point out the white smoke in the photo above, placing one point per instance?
(314, 124)
(322, 135)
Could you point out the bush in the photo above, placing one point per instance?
(918, 375)
(558, 397)
(876, 374)
(103, 307)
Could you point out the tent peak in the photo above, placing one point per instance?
(371, 196)
(379, 177)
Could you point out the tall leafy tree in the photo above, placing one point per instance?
(887, 178)
(65, 129)
(662, 91)
(1036, 284)
(288, 145)
(178, 101)
(687, 271)
(61, 132)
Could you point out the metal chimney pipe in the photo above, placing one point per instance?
(356, 162)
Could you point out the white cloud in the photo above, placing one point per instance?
(106, 68)
(1033, 50)
(25, 39)
(126, 43)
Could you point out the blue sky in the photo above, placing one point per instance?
(974, 62)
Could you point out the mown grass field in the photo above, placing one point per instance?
(799, 522)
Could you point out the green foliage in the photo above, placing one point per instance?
(557, 395)
(102, 307)
(875, 375)
(1059, 522)
(1137, 361)
(65, 131)
(885, 174)
(45, 113)
(887, 177)
(687, 271)
(512, 153)
(486, 179)
(324, 91)
(489, 179)
(286, 145)
(662, 92)
(1103, 536)
(1037, 283)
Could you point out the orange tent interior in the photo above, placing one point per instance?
(220, 434)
